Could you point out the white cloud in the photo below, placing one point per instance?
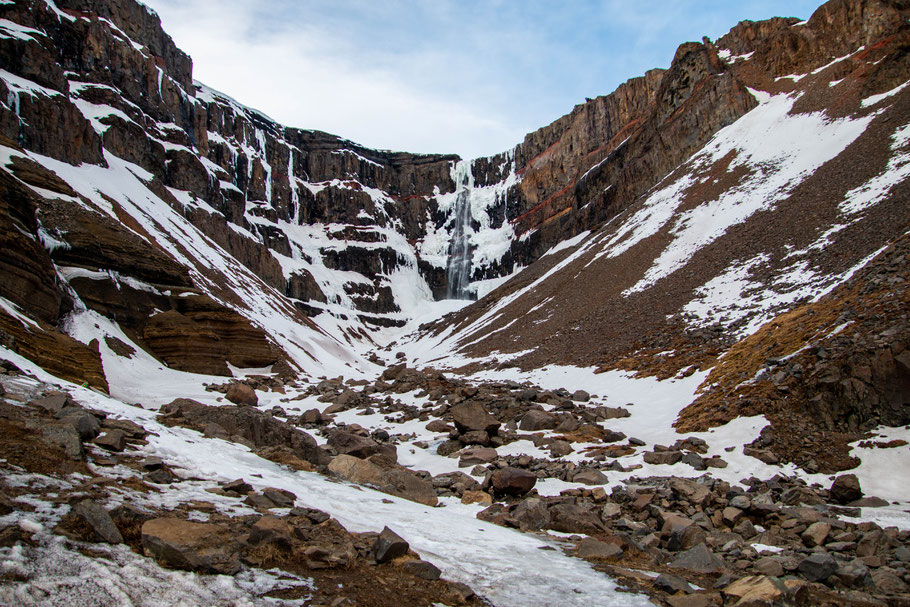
(447, 76)
(304, 77)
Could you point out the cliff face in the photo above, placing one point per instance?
(149, 187)
(593, 163)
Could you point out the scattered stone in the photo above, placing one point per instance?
(590, 548)
(112, 440)
(477, 455)
(610, 511)
(530, 515)
(476, 497)
(756, 590)
(99, 520)
(662, 457)
(817, 567)
(698, 559)
(472, 416)
(512, 481)
(388, 546)
(203, 547)
(242, 394)
(238, 486)
(762, 455)
(536, 419)
(422, 569)
(769, 565)
(589, 476)
(845, 489)
(671, 584)
(581, 396)
(280, 497)
(347, 443)
(816, 534)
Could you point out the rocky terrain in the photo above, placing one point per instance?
(230, 377)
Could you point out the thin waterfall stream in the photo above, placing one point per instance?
(458, 266)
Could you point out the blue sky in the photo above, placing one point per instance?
(452, 76)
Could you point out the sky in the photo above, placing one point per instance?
(470, 77)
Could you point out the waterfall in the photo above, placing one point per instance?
(458, 266)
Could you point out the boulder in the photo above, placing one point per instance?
(476, 497)
(422, 569)
(347, 443)
(681, 533)
(242, 394)
(512, 481)
(396, 480)
(530, 515)
(85, 424)
(52, 402)
(471, 415)
(438, 425)
(477, 455)
(662, 457)
(65, 437)
(581, 396)
(112, 440)
(698, 559)
(536, 419)
(310, 416)
(179, 544)
(239, 486)
(96, 517)
(575, 518)
(590, 548)
(845, 489)
(270, 530)
(282, 498)
(817, 567)
(475, 437)
(756, 589)
(816, 534)
(389, 546)
(589, 476)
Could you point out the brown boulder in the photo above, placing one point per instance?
(203, 547)
(472, 416)
(397, 480)
(347, 443)
(242, 394)
(512, 481)
(846, 489)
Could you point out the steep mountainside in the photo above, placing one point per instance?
(692, 311)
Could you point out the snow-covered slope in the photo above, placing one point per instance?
(708, 264)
